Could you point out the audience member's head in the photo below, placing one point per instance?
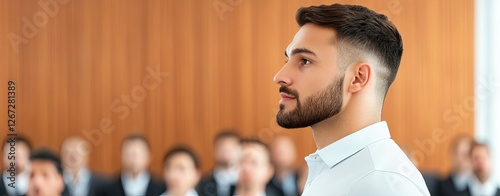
(283, 153)
(227, 147)
(181, 171)
(75, 153)
(460, 149)
(135, 154)
(22, 148)
(256, 167)
(46, 174)
(481, 161)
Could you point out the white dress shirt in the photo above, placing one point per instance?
(479, 189)
(21, 183)
(366, 162)
(80, 185)
(225, 178)
(460, 181)
(137, 186)
(191, 192)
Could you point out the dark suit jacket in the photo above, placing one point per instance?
(277, 184)
(271, 190)
(207, 186)
(97, 182)
(496, 194)
(447, 188)
(155, 188)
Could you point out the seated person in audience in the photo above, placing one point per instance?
(181, 172)
(256, 171)
(482, 182)
(46, 174)
(227, 155)
(456, 183)
(302, 178)
(22, 171)
(75, 153)
(134, 178)
(284, 158)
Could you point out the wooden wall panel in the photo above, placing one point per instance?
(87, 57)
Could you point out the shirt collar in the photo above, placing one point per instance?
(347, 146)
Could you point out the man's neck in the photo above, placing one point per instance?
(343, 124)
(255, 190)
(283, 172)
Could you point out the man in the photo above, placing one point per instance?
(135, 178)
(181, 172)
(340, 65)
(284, 158)
(456, 183)
(22, 148)
(256, 171)
(482, 183)
(227, 152)
(46, 174)
(75, 153)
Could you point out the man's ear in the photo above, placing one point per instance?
(361, 77)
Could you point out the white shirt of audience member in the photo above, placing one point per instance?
(137, 186)
(22, 182)
(478, 189)
(191, 192)
(224, 179)
(80, 185)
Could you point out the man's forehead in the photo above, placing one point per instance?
(312, 37)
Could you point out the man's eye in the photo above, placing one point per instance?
(305, 62)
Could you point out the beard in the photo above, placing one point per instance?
(314, 109)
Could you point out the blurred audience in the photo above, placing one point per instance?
(181, 172)
(21, 169)
(46, 177)
(456, 183)
(227, 155)
(302, 177)
(80, 181)
(135, 179)
(284, 159)
(256, 171)
(480, 183)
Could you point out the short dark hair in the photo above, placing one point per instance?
(259, 143)
(44, 154)
(137, 137)
(182, 150)
(227, 134)
(19, 139)
(362, 29)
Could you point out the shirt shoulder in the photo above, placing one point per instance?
(386, 183)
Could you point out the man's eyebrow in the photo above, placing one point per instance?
(301, 50)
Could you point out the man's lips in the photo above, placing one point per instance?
(286, 97)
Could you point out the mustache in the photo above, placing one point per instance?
(284, 89)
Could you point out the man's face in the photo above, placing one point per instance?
(180, 172)
(461, 156)
(256, 168)
(227, 151)
(311, 82)
(283, 152)
(45, 180)
(135, 156)
(22, 155)
(74, 153)
(481, 162)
